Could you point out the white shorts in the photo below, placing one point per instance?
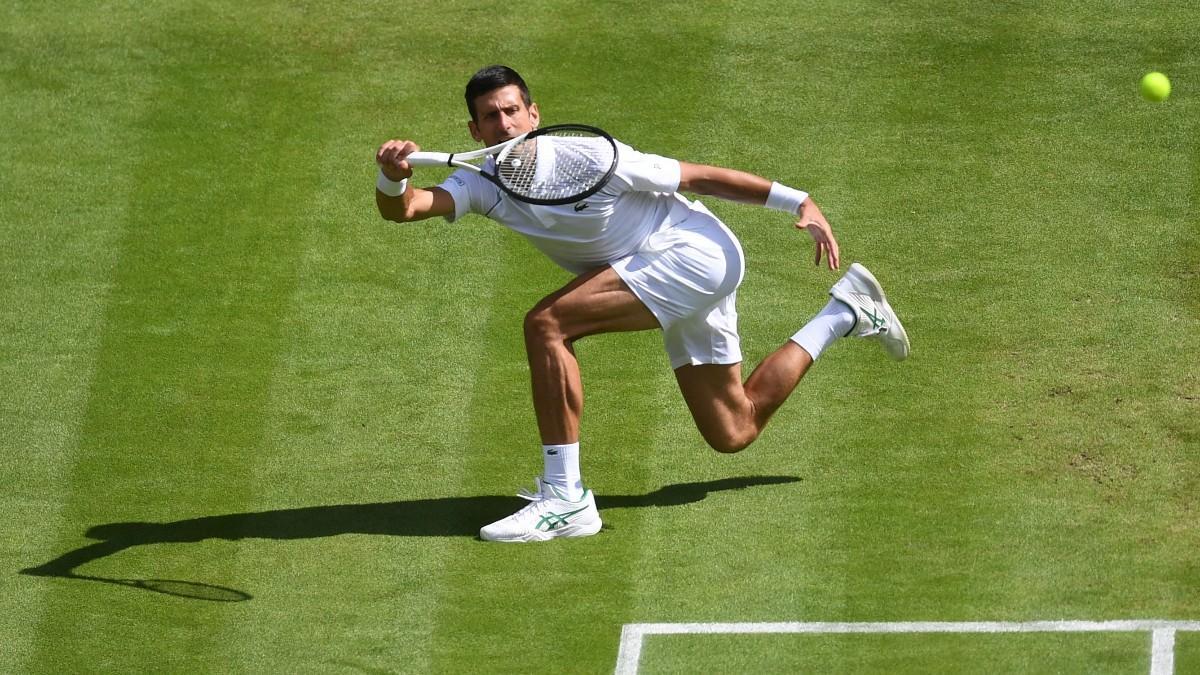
(687, 276)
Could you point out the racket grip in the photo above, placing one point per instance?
(429, 159)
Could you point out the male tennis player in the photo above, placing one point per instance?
(645, 257)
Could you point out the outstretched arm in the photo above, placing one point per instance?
(747, 188)
(398, 201)
(731, 184)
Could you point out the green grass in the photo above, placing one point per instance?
(220, 367)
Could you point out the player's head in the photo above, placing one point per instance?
(500, 106)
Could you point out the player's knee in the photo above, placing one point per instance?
(728, 441)
(542, 326)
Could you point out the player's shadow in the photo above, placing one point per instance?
(439, 517)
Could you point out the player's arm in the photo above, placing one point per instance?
(747, 188)
(731, 184)
(397, 200)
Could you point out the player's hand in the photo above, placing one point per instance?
(813, 221)
(390, 158)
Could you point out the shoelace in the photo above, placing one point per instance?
(537, 501)
(531, 496)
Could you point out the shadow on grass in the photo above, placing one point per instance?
(441, 517)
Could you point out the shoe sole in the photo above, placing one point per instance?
(895, 341)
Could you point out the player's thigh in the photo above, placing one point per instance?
(598, 301)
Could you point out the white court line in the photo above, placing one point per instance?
(1162, 650)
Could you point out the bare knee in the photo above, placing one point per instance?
(542, 326)
(728, 441)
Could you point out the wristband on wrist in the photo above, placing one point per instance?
(390, 187)
(784, 198)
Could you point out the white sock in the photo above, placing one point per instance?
(831, 323)
(561, 469)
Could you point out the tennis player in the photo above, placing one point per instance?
(645, 257)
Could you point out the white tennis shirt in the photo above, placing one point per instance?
(617, 221)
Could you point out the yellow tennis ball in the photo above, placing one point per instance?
(1155, 87)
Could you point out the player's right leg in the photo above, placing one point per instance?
(598, 301)
(595, 302)
(729, 414)
(874, 318)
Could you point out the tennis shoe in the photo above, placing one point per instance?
(549, 515)
(874, 317)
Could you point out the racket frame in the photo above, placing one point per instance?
(501, 150)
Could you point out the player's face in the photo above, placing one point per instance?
(501, 114)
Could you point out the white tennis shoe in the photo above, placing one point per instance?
(874, 317)
(548, 516)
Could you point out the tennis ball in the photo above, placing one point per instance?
(1155, 87)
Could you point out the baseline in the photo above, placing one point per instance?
(1162, 648)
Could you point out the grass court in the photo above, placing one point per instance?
(248, 426)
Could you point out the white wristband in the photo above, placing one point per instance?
(786, 199)
(390, 187)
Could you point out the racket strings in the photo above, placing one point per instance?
(575, 162)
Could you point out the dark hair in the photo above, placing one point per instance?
(492, 78)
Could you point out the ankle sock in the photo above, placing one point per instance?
(561, 469)
(831, 323)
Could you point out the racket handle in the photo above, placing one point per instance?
(429, 159)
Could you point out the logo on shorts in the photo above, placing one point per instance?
(581, 206)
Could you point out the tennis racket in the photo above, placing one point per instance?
(558, 164)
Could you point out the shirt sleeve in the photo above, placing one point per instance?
(645, 172)
(464, 190)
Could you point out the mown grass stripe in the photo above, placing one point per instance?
(347, 403)
(624, 375)
(54, 269)
(176, 407)
(753, 506)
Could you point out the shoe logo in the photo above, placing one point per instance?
(877, 322)
(553, 521)
(581, 206)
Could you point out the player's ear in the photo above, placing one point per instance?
(534, 115)
(474, 129)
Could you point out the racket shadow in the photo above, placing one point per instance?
(439, 517)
